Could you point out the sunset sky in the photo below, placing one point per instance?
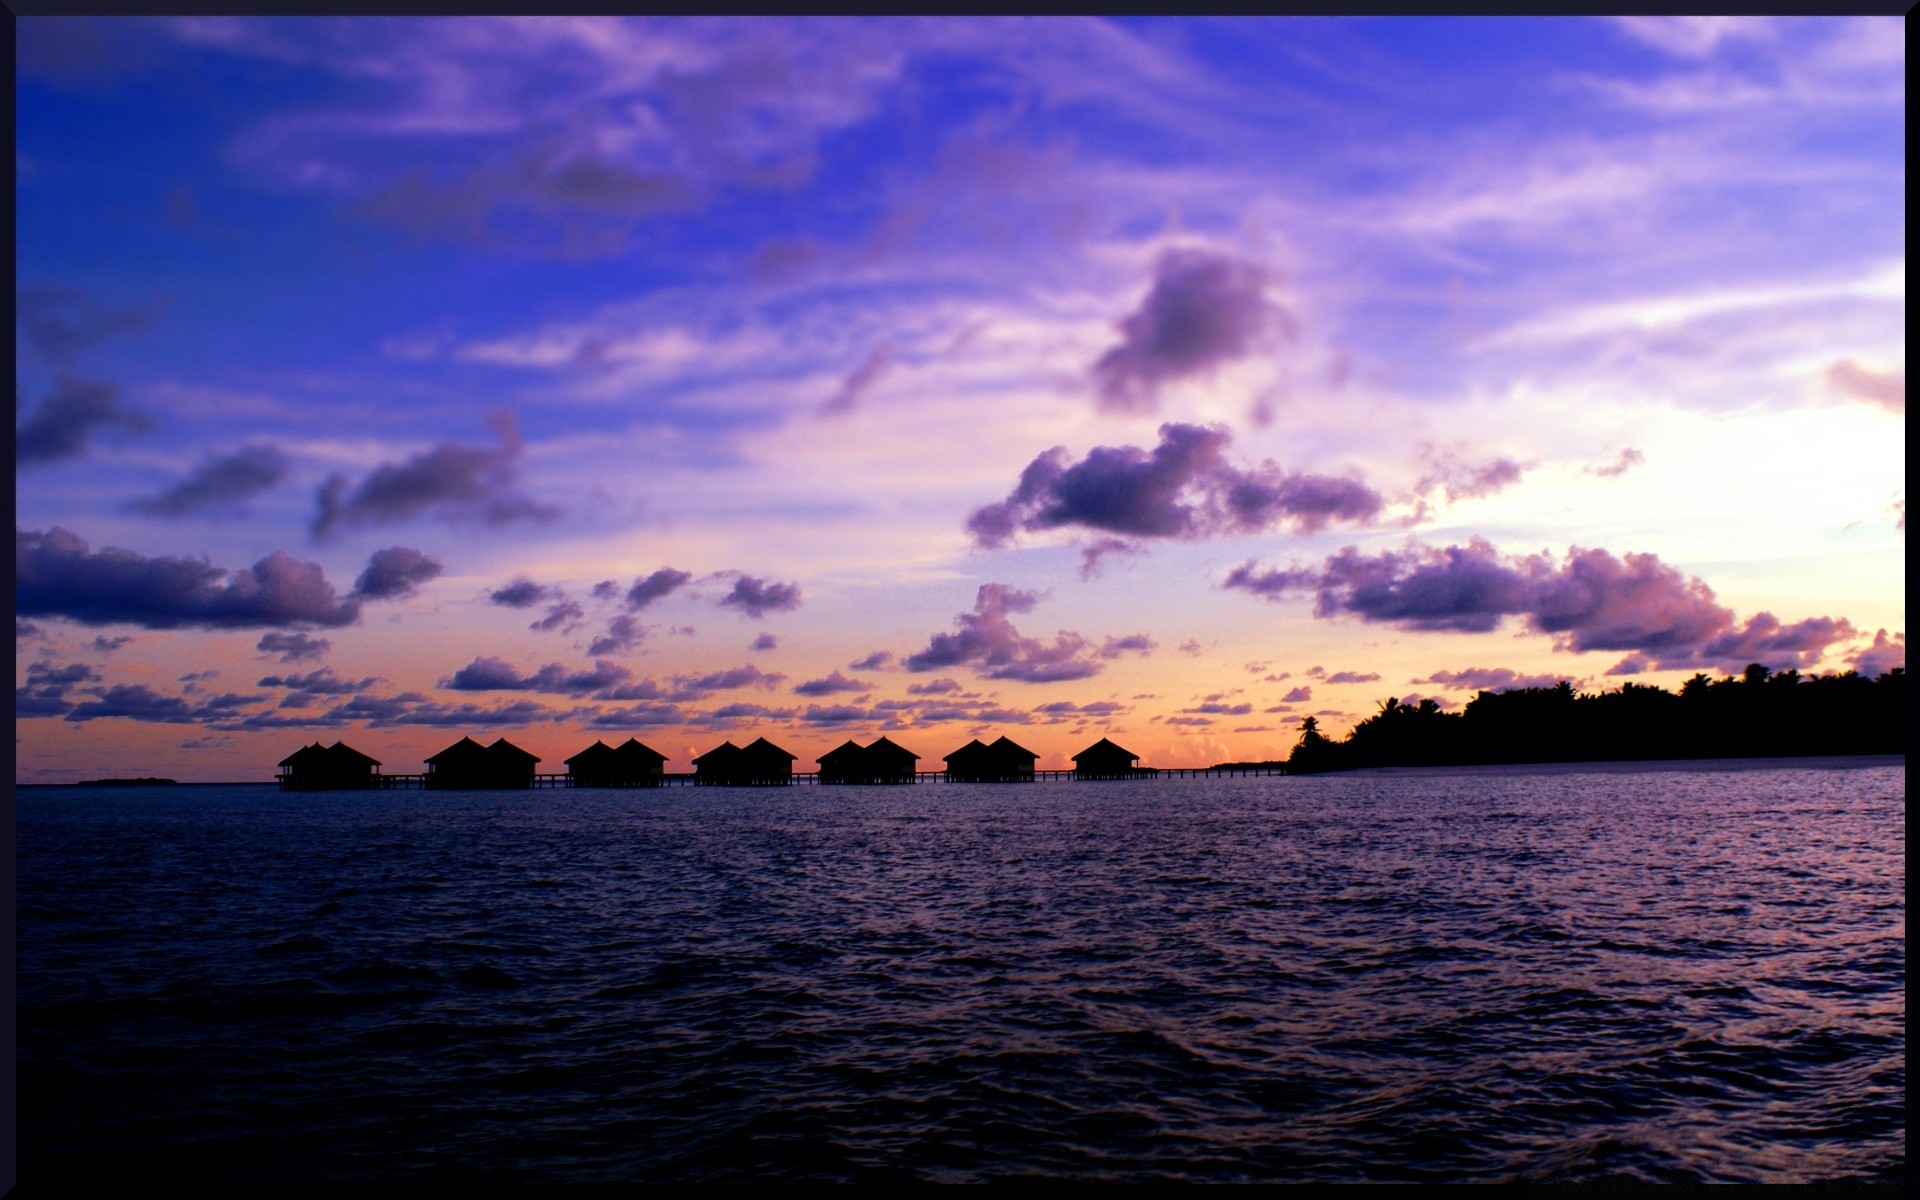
(1169, 380)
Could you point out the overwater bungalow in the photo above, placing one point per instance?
(1105, 760)
(1005, 761)
(718, 767)
(632, 764)
(318, 768)
(765, 764)
(468, 766)
(885, 761)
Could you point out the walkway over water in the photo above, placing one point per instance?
(812, 778)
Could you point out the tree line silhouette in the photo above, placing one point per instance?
(1756, 714)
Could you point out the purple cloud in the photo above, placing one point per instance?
(1182, 488)
(1888, 389)
(45, 693)
(219, 483)
(1134, 643)
(565, 614)
(57, 575)
(488, 674)
(522, 593)
(987, 641)
(835, 682)
(623, 633)
(1884, 655)
(1463, 480)
(765, 641)
(59, 323)
(293, 647)
(858, 383)
(1299, 695)
(1629, 459)
(879, 660)
(758, 597)
(63, 421)
(1590, 601)
(657, 586)
(1094, 553)
(935, 687)
(395, 573)
(1203, 310)
(1489, 679)
(458, 482)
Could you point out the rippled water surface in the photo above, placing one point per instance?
(1552, 974)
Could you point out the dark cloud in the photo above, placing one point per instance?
(758, 597)
(1882, 656)
(640, 716)
(606, 589)
(1590, 601)
(59, 323)
(1299, 695)
(987, 641)
(395, 573)
(457, 482)
(486, 674)
(107, 645)
(322, 682)
(45, 693)
(835, 682)
(1217, 708)
(1092, 554)
(657, 586)
(66, 417)
(138, 702)
(936, 687)
(1629, 459)
(56, 575)
(220, 483)
(765, 641)
(1182, 488)
(565, 615)
(1352, 677)
(293, 647)
(1203, 310)
(834, 714)
(623, 633)
(522, 593)
(858, 383)
(27, 631)
(1489, 679)
(697, 687)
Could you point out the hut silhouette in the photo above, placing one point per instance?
(468, 766)
(318, 768)
(759, 763)
(885, 761)
(1005, 761)
(1105, 760)
(631, 764)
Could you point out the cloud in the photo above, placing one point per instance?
(1192, 647)
(488, 674)
(303, 690)
(565, 615)
(1888, 389)
(879, 660)
(1134, 643)
(1694, 36)
(1182, 488)
(56, 575)
(1629, 459)
(1590, 601)
(657, 586)
(522, 593)
(1203, 310)
(138, 702)
(395, 573)
(835, 682)
(696, 687)
(1092, 554)
(66, 417)
(834, 714)
(758, 597)
(219, 483)
(59, 323)
(1463, 480)
(1884, 655)
(1488, 679)
(458, 482)
(765, 641)
(107, 645)
(935, 687)
(45, 693)
(1351, 677)
(987, 641)
(623, 633)
(858, 383)
(1299, 695)
(293, 647)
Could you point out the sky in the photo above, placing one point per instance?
(397, 380)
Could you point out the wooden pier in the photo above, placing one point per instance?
(812, 778)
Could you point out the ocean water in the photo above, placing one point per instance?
(1672, 973)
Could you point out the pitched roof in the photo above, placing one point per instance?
(301, 756)
(886, 745)
(347, 756)
(1008, 746)
(593, 753)
(847, 750)
(972, 747)
(718, 754)
(631, 749)
(1105, 749)
(463, 748)
(504, 748)
(761, 746)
